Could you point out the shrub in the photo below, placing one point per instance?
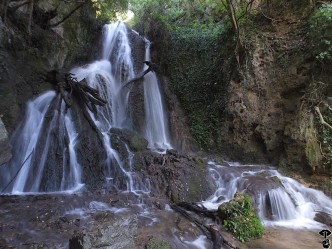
(321, 33)
(240, 218)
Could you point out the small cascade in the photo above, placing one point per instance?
(26, 144)
(281, 201)
(280, 204)
(33, 144)
(156, 127)
(71, 177)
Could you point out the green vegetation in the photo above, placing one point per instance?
(326, 135)
(191, 31)
(158, 243)
(321, 33)
(240, 218)
(107, 10)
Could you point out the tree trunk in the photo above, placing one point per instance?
(238, 48)
(68, 15)
(232, 15)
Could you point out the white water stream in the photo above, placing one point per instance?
(289, 204)
(156, 124)
(27, 167)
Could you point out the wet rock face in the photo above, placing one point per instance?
(25, 58)
(179, 128)
(91, 154)
(135, 141)
(178, 177)
(5, 152)
(136, 95)
(116, 233)
(324, 218)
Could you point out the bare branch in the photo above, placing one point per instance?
(149, 69)
(68, 15)
(322, 121)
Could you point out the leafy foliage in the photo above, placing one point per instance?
(190, 48)
(108, 9)
(241, 218)
(327, 142)
(321, 33)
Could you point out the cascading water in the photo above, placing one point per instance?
(32, 141)
(156, 130)
(281, 201)
(107, 75)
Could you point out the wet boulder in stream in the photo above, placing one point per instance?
(324, 218)
(174, 175)
(117, 233)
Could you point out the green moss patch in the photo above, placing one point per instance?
(240, 218)
(158, 243)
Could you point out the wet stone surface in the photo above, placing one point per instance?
(90, 220)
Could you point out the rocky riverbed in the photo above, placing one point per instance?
(105, 220)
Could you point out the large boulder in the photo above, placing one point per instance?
(117, 233)
(324, 218)
(239, 217)
(174, 175)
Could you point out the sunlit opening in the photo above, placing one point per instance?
(125, 17)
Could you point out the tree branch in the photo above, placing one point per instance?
(235, 25)
(68, 15)
(149, 69)
(322, 121)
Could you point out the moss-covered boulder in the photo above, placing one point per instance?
(135, 142)
(239, 217)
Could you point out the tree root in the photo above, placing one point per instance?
(86, 97)
(211, 231)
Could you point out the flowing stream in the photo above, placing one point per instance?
(49, 129)
(281, 201)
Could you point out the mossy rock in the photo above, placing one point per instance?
(239, 217)
(158, 243)
(312, 149)
(135, 142)
(138, 143)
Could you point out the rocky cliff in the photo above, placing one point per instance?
(261, 108)
(28, 52)
(26, 56)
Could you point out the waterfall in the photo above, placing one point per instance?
(108, 76)
(25, 145)
(32, 142)
(156, 127)
(281, 201)
(48, 136)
